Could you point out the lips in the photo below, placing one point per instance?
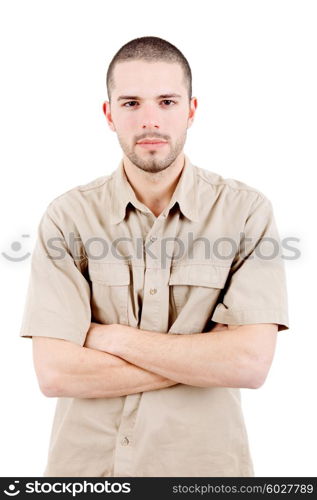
(151, 142)
(152, 145)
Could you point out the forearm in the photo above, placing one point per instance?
(82, 372)
(95, 375)
(222, 359)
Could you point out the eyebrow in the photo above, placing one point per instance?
(134, 97)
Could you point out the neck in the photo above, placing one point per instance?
(154, 190)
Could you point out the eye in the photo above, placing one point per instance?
(168, 100)
(129, 102)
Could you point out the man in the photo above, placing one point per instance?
(154, 294)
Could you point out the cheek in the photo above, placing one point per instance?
(124, 123)
(126, 129)
(129, 122)
(176, 122)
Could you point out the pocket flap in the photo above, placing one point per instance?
(199, 274)
(109, 273)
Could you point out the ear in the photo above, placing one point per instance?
(107, 111)
(192, 111)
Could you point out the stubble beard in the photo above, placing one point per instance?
(152, 161)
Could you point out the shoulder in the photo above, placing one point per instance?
(230, 192)
(215, 181)
(80, 197)
(79, 206)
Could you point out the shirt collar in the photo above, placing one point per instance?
(185, 194)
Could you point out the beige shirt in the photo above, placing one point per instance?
(208, 257)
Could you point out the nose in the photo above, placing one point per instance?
(150, 117)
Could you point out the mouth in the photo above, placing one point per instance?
(151, 144)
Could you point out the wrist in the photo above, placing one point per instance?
(117, 338)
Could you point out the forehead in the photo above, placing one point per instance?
(151, 78)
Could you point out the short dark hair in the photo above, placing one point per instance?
(149, 48)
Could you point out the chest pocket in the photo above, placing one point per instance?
(110, 291)
(194, 293)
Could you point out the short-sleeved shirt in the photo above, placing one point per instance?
(212, 255)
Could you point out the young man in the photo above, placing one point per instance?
(154, 294)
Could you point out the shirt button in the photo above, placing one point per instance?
(125, 441)
(153, 291)
(153, 238)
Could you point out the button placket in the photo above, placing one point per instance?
(153, 237)
(123, 459)
(152, 279)
(125, 441)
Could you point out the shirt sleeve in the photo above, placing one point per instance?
(58, 297)
(256, 291)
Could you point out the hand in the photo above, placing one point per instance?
(105, 337)
(94, 336)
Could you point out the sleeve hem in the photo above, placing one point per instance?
(79, 341)
(252, 317)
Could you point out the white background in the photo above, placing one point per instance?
(254, 75)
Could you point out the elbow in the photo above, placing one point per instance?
(50, 386)
(255, 383)
(256, 377)
(47, 356)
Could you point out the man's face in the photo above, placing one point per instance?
(150, 101)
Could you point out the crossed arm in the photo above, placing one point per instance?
(117, 360)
